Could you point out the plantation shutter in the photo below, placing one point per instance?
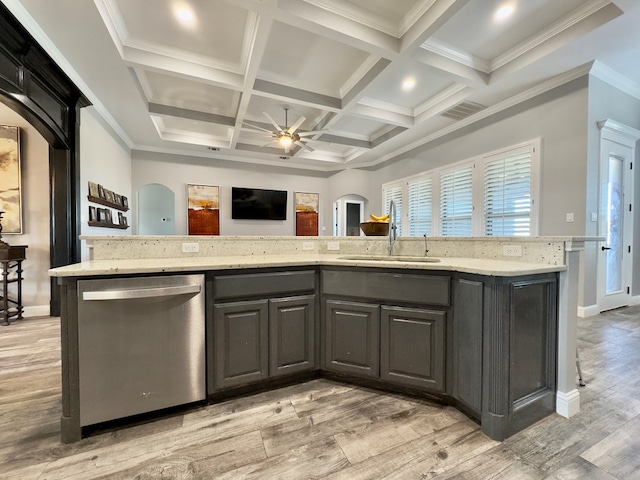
(507, 196)
(456, 204)
(419, 209)
(394, 192)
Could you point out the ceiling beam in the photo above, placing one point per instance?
(159, 109)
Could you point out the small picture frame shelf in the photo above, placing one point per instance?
(107, 225)
(102, 217)
(106, 203)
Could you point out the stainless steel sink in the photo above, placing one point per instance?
(393, 258)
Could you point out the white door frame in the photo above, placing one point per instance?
(616, 140)
(340, 216)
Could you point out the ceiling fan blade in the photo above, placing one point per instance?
(257, 128)
(296, 124)
(302, 145)
(313, 132)
(273, 122)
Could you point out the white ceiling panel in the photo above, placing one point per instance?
(387, 87)
(217, 32)
(475, 30)
(190, 94)
(296, 58)
(162, 84)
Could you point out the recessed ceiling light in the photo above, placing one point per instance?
(504, 12)
(408, 84)
(185, 16)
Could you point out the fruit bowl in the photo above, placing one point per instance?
(375, 229)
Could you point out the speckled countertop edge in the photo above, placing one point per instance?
(480, 266)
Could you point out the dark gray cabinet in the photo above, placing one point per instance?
(412, 350)
(241, 343)
(352, 338)
(503, 342)
(255, 339)
(397, 336)
(292, 335)
(466, 342)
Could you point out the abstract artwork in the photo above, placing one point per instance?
(307, 214)
(203, 213)
(10, 189)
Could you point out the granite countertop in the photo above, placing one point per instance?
(482, 266)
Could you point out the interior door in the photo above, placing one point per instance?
(615, 224)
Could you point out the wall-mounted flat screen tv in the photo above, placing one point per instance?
(258, 204)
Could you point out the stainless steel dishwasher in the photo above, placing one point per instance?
(141, 345)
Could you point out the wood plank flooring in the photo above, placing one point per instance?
(323, 429)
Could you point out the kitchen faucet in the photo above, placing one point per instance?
(393, 234)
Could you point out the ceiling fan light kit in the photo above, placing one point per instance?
(287, 136)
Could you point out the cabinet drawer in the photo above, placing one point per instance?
(263, 284)
(388, 287)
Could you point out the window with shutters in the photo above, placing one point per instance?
(419, 193)
(456, 201)
(493, 194)
(507, 194)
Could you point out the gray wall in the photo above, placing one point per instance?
(176, 173)
(558, 117)
(608, 102)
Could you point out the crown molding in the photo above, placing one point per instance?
(45, 42)
(613, 78)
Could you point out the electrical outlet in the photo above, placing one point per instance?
(190, 247)
(307, 246)
(569, 217)
(512, 250)
(594, 217)
(333, 245)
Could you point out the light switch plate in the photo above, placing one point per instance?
(307, 246)
(569, 217)
(333, 245)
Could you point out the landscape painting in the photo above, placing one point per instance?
(10, 189)
(203, 214)
(307, 214)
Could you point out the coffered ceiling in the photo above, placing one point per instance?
(214, 83)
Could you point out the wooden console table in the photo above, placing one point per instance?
(11, 258)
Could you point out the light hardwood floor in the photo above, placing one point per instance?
(323, 429)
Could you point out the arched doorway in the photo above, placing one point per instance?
(35, 87)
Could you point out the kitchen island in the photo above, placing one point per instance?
(480, 332)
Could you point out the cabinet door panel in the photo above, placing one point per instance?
(467, 342)
(291, 335)
(352, 337)
(412, 347)
(241, 343)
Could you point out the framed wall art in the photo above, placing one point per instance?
(10, 180)
(307, 205)
(203, 215)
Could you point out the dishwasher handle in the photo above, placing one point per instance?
(141, 293)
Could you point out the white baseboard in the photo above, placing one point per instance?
(36, 311)
(589, 311)
(568, 404)
(635, 300)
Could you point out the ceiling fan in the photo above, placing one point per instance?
(288, 136)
